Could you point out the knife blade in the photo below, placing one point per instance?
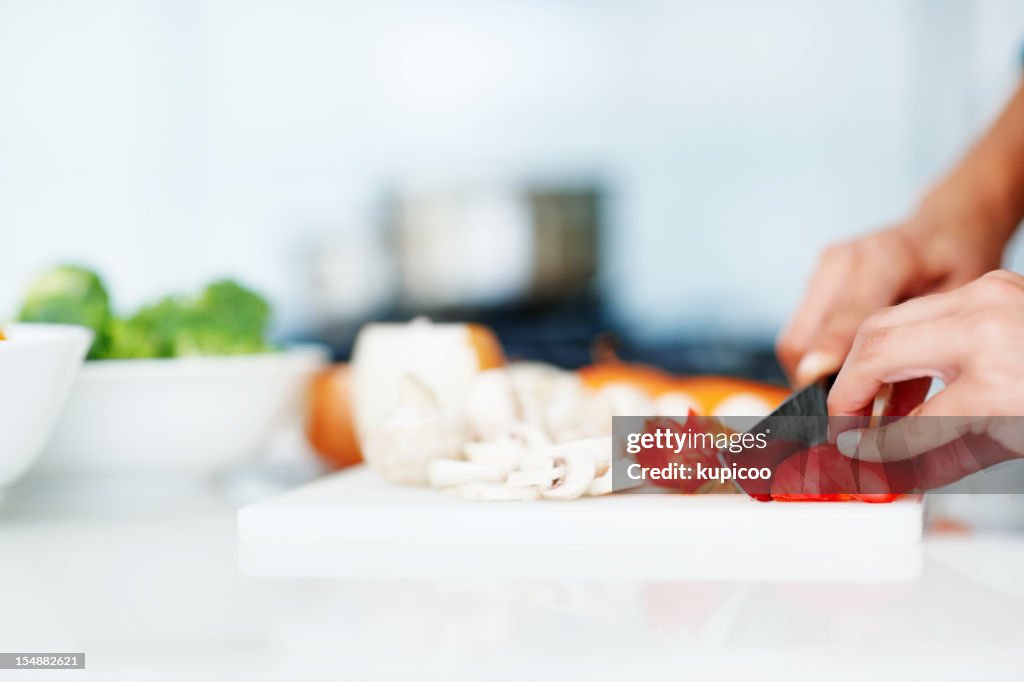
(798, 423)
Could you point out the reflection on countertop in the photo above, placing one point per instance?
(148, 583)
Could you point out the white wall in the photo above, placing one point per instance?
(167, 142)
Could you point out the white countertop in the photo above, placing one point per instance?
(145, 577)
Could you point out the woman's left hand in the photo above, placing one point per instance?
(972, 339)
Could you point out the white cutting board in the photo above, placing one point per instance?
(355, 525)
(357, 506)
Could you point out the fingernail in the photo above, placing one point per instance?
(816, 364)
(847, 442)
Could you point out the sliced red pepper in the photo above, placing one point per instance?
(654, 458)
(821, 473)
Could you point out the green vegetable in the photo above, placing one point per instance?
(128, 339)
(225, 318)
(162, 322)
(70, 294)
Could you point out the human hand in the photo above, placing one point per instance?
(940, 248)
(972, 339)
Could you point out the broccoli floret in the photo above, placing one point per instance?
(130, 339)
(226, 319)
(162, 321)
(70, 294)
(237, 309)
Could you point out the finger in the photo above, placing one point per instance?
(825, 285)
(904, 396)
(927, 348)
(916, 309)
(883, 276)
(836, 336)
(934, 424)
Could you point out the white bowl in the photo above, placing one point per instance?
(38, 364)
(181, 415)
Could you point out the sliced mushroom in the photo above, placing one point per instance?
(582, 459)
(500, 455)
(602, 485)
(579, 473)
(598, 449)
(508, 451)
(527, 436)
(545, 475)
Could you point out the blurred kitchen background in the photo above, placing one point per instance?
(665, 169)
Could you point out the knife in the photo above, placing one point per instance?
(798, 423)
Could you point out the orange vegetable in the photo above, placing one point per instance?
(2, 337)
(488, 349)
(649, 379)
(708, 392)
(445, 357)
(330, 428)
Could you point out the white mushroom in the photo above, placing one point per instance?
(501, 454)
(579, 473)
(505, 452)
(565, 409)
(527, 435)
(625, 400)
(544, 396)
(742, 405)
(491, 406)
(417, 433)
(581, 459)
(598, 449)
(614, 400)
(544, 475)
(675, 404)
(531, 382)
(602, 485)
(547, 397)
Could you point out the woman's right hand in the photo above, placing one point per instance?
(939, 249)
(957, 235)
